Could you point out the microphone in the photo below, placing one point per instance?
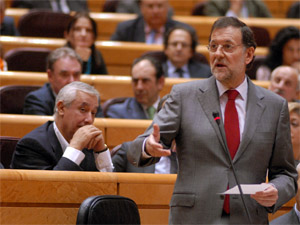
(217, 118)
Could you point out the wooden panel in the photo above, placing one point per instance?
(38, 215)
(154, 216)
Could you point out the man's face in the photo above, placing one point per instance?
(284, 82)
(228, 56)
(145, 86)
(65, 70)
(291, 52)
(81, 35)
(79, 113)
(179, 49)
(155, 12)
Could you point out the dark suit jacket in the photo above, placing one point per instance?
(288, 218)
(74, 5)
(8, 27)
(204, 166)
(129, 109)
(121, 163)
(196, 69)
(41, 150)
(133, 30)
(42, 102)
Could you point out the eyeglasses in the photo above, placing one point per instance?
(228, 48)
(184, 45)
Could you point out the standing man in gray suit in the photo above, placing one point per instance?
(205, 120)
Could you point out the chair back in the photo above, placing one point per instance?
(108, 209)
(43, 23)
(258, 61)
(12, 98)
(110, 6)
(261, 35)
(109, 102)
(27, 59)
(199, 9)
(7, 148)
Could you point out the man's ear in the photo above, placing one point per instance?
(161, 83)
(250, 55)
(60, 108)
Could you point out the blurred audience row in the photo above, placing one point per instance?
(240, 8)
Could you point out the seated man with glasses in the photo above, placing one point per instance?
(180, 46)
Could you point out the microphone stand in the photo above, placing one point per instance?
(217, 119)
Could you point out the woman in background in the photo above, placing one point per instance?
(284, 50)
(81, 35)
(294, 109)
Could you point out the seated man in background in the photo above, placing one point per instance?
(150, 26)
(180, 46)
(71, 142)
(65, 6)
(285, 82)
(293, 217)
(147, 82)
(166, 164)
(63, 67)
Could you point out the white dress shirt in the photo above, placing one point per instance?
(102, 160)
(240, 102)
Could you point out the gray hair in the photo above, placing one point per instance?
(59, 53)
(68, 93)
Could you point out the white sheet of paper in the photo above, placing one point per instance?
(247, 189)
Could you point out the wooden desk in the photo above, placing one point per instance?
(107, 23)
(115, 131)
(118, 56)
(53, 197)
(108, 86)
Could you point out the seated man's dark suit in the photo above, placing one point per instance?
(41, 150)
(42, 102)
(288, 218)
(129, 109)
(78, 5)
(121, 163)
(133, 30)
(196, 69)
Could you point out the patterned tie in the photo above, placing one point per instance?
(179, 71)
(151, 112)
(232, 131)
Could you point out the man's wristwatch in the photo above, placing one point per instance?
(105, 149)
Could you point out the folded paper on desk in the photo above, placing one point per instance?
(247, 189)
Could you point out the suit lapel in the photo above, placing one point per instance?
(209, 100)
(254, 110)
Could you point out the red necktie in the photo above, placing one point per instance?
(232, 131)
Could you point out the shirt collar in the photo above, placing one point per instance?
(242, 88)
(154, 105)
(297, 212)
(63, 143)
(148, 29)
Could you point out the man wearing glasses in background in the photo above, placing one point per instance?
(180, 46)
(218, 120)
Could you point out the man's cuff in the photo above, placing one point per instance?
(74, 155)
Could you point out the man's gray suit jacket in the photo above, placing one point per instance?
(288, 218)
(204, 166)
